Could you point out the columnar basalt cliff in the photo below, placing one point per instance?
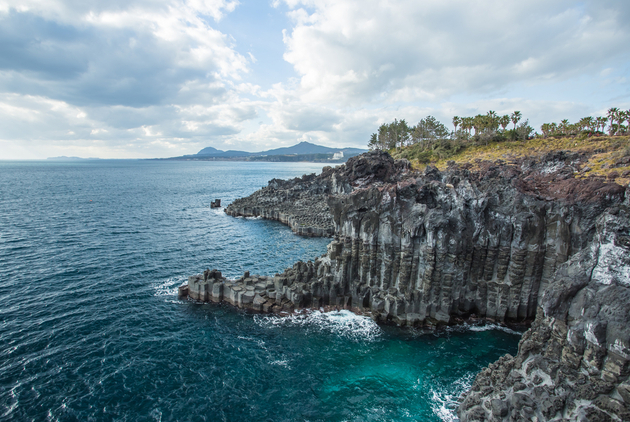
(507, 242)
(573, 362)
(300, 203)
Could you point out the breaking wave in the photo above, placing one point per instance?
(342, 323)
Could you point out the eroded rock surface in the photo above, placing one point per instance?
(302, 203)
(573, 362)
(507, 242)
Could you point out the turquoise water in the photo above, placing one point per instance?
(91, 254)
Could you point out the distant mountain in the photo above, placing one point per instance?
(301, 148)
(65, 158)
(213, 152)
(304, 151)
(210, 151)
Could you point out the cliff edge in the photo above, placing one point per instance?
(509, 242)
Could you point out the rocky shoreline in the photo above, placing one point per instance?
(508, 242)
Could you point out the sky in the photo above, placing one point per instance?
(148, 79)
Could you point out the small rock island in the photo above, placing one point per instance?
(509, 242)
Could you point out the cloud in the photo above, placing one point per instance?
(130, 54)
(375, 51)
(139, 78)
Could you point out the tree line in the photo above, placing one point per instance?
(430, 132)
(590, 125)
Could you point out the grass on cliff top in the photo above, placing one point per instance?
(605, 154)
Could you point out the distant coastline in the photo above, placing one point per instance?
(304, 151)
(65, 158)
(313, 158)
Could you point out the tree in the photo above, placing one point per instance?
(545, 128)
(373, 143)
(588, 123)
(516, 117)
(383, 137)
(523, 131)
(564, 126)
(504, 121)
(456, 122)
(601, 122)
(428, 130)
(492, 121)
(467, 124)
(612, 114)
(620, 117)
(393, 134)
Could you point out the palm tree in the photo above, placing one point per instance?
(590, 123)
(480, 122)
(456, 121)
(516, 116)
(493, 120)
(468, 121)
(612, 113)
(545, 129)
(564, 126)
(601, 122)
(584, 123)
(504, 121)
(620, 117)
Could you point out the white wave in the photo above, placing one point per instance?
(490, 327)
(444, 399)
(257, 341)
(167, 287)
(343, 323)
(283, 363)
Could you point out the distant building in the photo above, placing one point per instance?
(337, 155)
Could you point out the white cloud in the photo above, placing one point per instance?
(147, 79)
(378, 51)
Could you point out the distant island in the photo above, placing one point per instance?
(304, 151)
(65, 158)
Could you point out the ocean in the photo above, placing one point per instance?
(91, 329)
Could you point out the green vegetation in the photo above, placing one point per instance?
(430, 140)
(487, 137)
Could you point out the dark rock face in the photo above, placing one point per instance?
(301, 203)
(506, 243)
(573, 362)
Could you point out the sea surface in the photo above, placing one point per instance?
(91, 329)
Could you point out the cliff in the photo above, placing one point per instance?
(572, 364)
(508, 242)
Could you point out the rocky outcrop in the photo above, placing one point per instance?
(573, 362)
(508, 242)
(427, 248)
(299, 203)
(302, 203)
(246, 292)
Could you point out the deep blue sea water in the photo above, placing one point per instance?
(91, 254)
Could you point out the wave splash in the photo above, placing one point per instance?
(342, 323)
(444, 399)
